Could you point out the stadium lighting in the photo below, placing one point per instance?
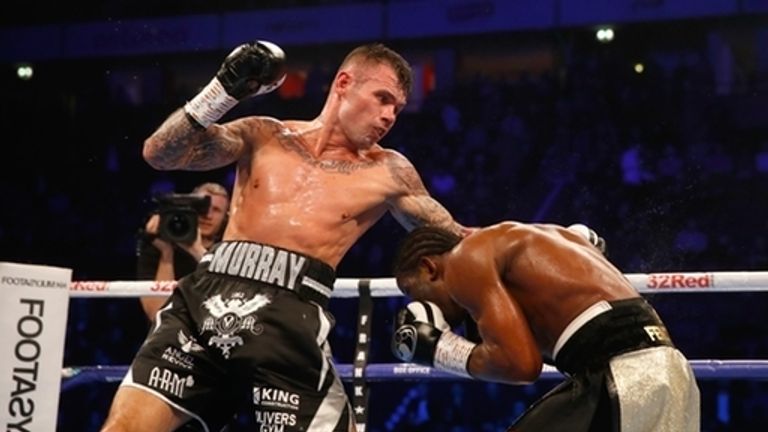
(604, 34)
(24, 72)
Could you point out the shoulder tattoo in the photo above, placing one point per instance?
(405, 175)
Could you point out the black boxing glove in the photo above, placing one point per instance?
(590, 235)
(251, 69)
(423, 336)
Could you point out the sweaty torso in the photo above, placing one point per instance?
(318, 205)
(551, 273)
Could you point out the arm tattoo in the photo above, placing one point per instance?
(423, 209)
(431, 212)
(180, 144)
(406, 176)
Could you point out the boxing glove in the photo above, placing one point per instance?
(251, 69)
(423, 336)
(590, 235)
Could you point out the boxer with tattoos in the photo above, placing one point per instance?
(252, 318)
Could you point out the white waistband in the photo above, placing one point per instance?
(584, 317)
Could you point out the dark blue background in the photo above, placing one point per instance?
(534, 121)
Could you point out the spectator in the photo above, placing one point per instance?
(163, 260)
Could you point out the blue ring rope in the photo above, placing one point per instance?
(703, 369)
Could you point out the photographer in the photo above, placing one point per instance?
(176, 236)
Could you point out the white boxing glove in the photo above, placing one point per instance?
(590, 235)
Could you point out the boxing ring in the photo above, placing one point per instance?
(360, 373)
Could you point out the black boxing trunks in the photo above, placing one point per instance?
(623, 373)
(249, 324)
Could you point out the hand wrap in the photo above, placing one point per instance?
(251, 69)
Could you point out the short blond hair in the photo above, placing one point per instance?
(378, 53)
(211, 188)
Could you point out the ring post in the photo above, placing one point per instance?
(33, 321)
(362, 349)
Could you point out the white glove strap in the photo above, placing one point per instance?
(210, 104)
(452, 353)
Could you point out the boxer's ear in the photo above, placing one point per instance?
(342, 81)
(430, 267)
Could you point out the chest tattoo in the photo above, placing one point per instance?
(293, 143)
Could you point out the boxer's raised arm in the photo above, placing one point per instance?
(189, 138)
(176, 144)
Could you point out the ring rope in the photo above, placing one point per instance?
(360, 373)
(703, 369)
(691, 282)
(687, 282)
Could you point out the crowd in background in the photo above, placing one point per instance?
(668, 169)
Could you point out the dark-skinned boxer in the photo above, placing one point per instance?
(543, 293)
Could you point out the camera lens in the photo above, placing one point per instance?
(179, 226)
